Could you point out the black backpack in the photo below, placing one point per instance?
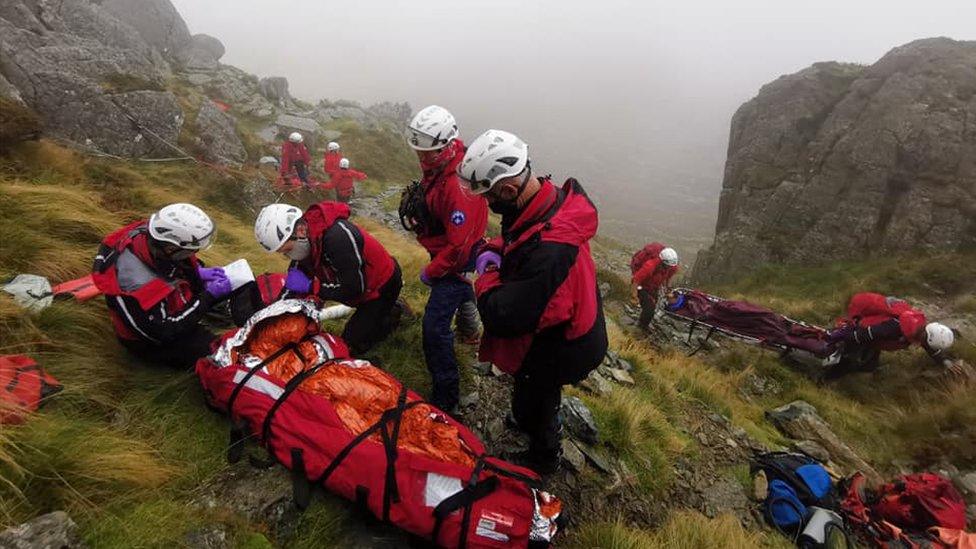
(796, 482)
(415, 216)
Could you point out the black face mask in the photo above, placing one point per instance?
(506, 209)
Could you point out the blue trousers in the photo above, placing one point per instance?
(446, 296)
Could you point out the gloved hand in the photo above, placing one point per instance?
(210, 273)
(485, 259)
(424, 277)
(298, 282)
(219, 285)
(840, 334)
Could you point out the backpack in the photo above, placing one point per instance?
(921, 501)
(23, 387)
(415, 216)
(796, 482)
(644, 254)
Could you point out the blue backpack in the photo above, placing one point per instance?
(795, 483)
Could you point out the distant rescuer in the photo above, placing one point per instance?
(295, 157)
(449, 223)
(344, 181)
(156, 290)
(652, 268)
(336, 260)
(537, 293)
(876, 323)
(330, 161)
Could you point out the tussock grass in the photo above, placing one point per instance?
(683, 530)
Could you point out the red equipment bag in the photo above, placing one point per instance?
(82, 289)
(23, 385)
(921, 501)
(649, 251)
(353, 428)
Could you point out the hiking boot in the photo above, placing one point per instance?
(544, 466)
(512, 424)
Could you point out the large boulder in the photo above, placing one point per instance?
(51, 531)
(202, 52)
(275, 89)
(89, 76)
(217, 131)
(157, 21)
(309, 128)
(839, 161)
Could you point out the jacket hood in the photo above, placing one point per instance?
(574, 222)
(321, 216)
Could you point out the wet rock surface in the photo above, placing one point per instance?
(54, 530)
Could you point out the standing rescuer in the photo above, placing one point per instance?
(652, 268)
(330, 162)
(336, 260)
(537, 293)
(155, 288)
(294, 156)
(344, 181)
(449, 223)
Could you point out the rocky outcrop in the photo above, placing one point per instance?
(218, 136)
(156, 21)
(89, 76)
(51, 531)
(275, 89)
(841, 161)
(202, 52)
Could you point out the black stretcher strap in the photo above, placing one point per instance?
(464, 498)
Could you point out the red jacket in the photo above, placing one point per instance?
(148, 299)
(870, 309)
(293, 152)
(462, 218)
(344, 181)
(654, 274)
(349, 265)
(545, 294)
(330, 163)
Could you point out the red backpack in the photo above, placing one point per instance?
(646, 253)
(921, 501)
(23, 385)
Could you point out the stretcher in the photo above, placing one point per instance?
(704, 315)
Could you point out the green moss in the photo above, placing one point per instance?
(17, 123)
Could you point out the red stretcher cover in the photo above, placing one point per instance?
(355, 429)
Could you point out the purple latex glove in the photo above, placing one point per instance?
(840, 334)
(219, 286)
(211, 273)
(424, 277)
(485, 259)
(298, 282)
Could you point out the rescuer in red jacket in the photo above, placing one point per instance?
(652, 268)
(876, 323)
(156, 290)
(336, 260)
(449, 223)
(344, 181)
(330, 162)
(537, 293)
(295, 157)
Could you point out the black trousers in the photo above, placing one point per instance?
(182, 353)
(374, 320)
(648, 302)
(855, 358)
(302, 170)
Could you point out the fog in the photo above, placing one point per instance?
(632, 98)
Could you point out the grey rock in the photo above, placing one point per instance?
(156, 21)
(268, 160)
(331, 135)
(260, 495)
(495, 429)
(579, 420)
(208, 537)
(966, 484)
(396, 112)
(218, 135)
(54, 530)
(8, 91)
(275, 89)
(202, 52)
(800, 420)
(596, 384)
(572, 455)
(971, 513)
(470, 399)
(308, 127)
(199, 78)
(860, 160)
(597, 457)
(621, 376)
(483, 368)
(604, 288)
(812, 449)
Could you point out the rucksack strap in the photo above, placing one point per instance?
(462, 499)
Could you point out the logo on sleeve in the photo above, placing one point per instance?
(457, 217)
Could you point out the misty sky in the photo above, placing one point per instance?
(632, 97)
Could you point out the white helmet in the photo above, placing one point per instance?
(494, 155)
(333, 146)
(431, 129)
(296, 137)
(275, 224)
(182, 224)
(938, 336)
(344, 163)
(669, 257)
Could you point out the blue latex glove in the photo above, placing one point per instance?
(424, 278)
(298, 282)
(211, 273)
(485, 259)
(218, 286)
